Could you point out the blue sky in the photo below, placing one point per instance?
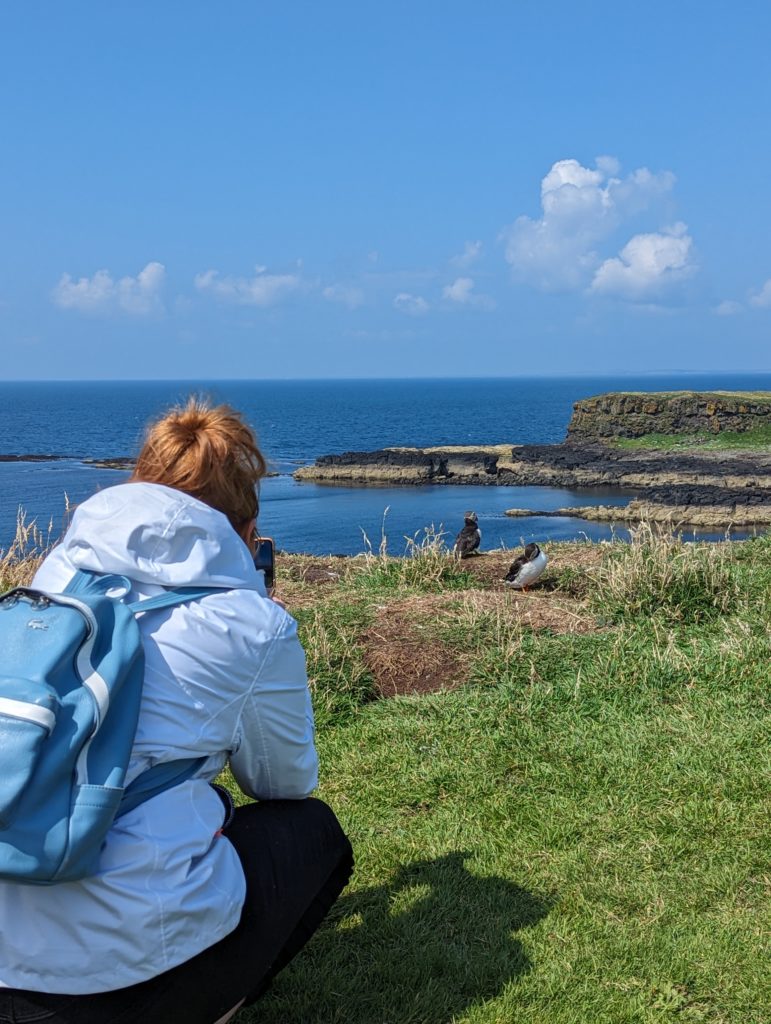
(205, 190)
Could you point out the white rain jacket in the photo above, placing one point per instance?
(225, 676)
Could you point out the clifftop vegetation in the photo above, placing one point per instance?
(557, 800)
(688, 413)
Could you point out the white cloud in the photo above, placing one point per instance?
(413, 305)
(571, 173)
(471, 253)
(461, 291)
(762, 299)
(728, 308)
(609, 165)
(581, 206)
(348, 295)
(261, 290)
(138, 295)
(646, 265)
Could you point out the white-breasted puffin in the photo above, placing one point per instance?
(526, 569)
(468, 540)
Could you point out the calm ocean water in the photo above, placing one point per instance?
(298, 420)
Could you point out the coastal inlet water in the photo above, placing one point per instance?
(299, 420)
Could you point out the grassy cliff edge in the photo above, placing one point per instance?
(557, 799)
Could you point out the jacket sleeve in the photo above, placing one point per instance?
(273, 755)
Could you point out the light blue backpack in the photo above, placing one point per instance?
(71, 674)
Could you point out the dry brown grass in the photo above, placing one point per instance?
(405, 651)
(414, 642)
(658, 573)
(412, 646)
(19, 562)
(538, 609)
(303, 580)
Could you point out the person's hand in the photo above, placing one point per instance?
(278, 601)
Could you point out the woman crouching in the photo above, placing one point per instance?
(193, 909)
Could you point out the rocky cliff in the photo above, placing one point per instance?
(634, 414)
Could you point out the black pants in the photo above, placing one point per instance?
(296, 859)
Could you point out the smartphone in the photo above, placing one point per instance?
(264, 560)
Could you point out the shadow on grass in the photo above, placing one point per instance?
(426, 946)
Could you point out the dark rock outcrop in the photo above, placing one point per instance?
(32, 458)
(700, 486)
(409, 466)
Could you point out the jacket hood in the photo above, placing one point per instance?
(155, 534)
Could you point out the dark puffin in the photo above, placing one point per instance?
(468, 540)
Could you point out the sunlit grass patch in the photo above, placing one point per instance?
(427, 564)
(759, 437)
(658, 573)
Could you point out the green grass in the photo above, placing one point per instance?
(726, 439)
(434, 573)
(339, 678)
(577, 835)
(427, 565)
(543, 856)
(738, 396)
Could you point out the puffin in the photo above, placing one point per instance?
(527, 568)
(468, 540)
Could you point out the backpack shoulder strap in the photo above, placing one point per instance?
(86, 582)
(157, 779)
(117, 586)
(163, 776)
(171, 597)
(171, 773)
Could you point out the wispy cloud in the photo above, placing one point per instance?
(263, 289)
(728, 307)
(581, 207)
(346, 295)
(471, 253)
(762, 298)
(412, 305)
(461, 292)
(138, 296)
(647, 265)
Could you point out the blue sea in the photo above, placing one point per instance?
(296, 421)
